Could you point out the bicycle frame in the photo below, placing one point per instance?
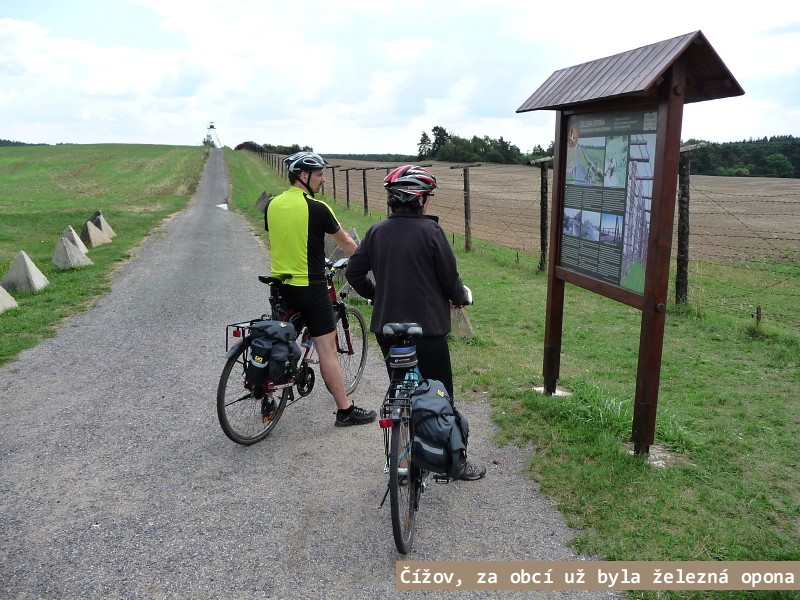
(282, 312)
(248, 414)
(406, 480)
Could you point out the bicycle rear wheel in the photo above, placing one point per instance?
(352, 362)
(245, 419)
(403, 481)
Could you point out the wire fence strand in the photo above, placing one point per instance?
(744, 241)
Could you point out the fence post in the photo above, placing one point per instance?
(388, 170)
(467, 206)
(333, 177)
(364, 180)
(347, 184)
(544, 167)
(467, 213)
(682, 259)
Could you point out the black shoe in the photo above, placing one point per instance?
(471, 472)
(354, 416)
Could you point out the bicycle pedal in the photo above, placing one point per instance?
(441, 479)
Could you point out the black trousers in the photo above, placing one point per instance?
(433, 355)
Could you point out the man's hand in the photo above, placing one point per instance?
(468, 301)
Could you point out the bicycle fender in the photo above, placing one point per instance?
(237, 347)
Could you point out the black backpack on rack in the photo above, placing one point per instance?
(273, 354)
(440, 431)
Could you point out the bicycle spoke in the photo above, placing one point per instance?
(247, 396)
(240, 414)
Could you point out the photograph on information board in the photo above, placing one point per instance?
(607, 196)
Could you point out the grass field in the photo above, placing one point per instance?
(44, 189)
(728, 412)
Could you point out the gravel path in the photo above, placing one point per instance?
(117, 482)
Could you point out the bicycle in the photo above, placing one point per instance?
(406, 480)
(249, 415)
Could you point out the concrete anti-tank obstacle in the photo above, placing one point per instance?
(6, 300)
(23, 275)
(332, 250)
(92, 236)
(100, 222)
(73, 237)
(461, 327)
(261, 203)
(67, 255)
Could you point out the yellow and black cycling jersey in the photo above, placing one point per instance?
(297, 224)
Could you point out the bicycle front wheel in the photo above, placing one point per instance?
(351, 346)
(403, 483)
(244, 418)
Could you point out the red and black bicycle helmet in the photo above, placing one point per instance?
(409, 184)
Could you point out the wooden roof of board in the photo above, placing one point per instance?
(637, 73)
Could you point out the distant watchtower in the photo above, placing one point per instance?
(211, 136)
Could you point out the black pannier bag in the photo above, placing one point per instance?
(440, 431)
(273, 354)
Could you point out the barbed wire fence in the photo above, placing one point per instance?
(743, 240)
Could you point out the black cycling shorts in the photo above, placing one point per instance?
(315, 304)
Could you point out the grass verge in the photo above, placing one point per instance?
(728, 407)
(727, 420)
(44, 189)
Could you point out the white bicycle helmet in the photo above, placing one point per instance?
(304, 161)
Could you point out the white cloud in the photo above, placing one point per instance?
(350, 76)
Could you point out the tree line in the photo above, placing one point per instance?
(253, 147)
(448, 147)
(15, 143)
(776, 156)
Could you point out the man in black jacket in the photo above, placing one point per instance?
(416, 276)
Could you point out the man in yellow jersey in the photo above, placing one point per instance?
(297, 224)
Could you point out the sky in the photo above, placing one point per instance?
(360, 77)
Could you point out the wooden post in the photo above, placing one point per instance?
(554, 321)
(543, 216)
(467, 213)
(544, 166)
(364, 181)
(682, 262)
(684, 184)
(388, 210)
(467, 205)
(366, 199)
(654, 308)
(347, 184)
(333, 177)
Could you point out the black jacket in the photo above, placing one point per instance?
(415, 272)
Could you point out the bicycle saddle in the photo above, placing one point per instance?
(269, 280)
(410, 329)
